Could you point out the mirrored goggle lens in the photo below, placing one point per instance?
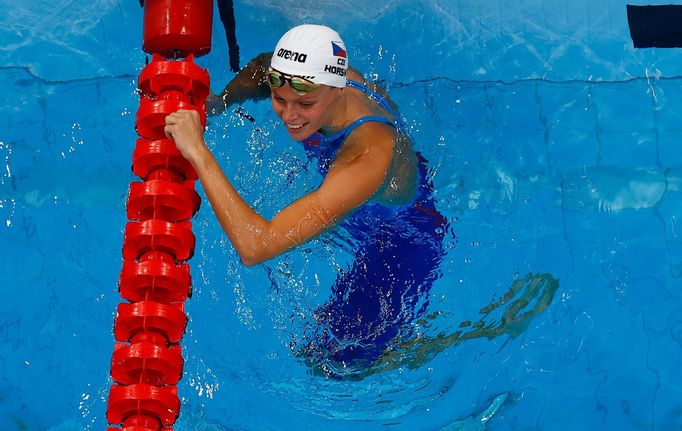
(301, 86)
(275, 79)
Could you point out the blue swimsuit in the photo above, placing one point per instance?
(399, 251)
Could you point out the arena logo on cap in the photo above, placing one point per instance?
(292, 55)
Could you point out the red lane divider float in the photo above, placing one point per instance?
(165, 87)
(147, 363)
(164, 281)
(154, 156)
(161, 199)
(177, 28)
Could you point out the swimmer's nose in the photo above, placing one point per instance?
(289, 114)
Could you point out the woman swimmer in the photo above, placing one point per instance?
(375, 187)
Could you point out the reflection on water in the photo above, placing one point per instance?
(612, 188)
(477, 423)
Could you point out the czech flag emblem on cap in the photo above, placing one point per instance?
(338, 51)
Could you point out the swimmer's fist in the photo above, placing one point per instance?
(184, 127)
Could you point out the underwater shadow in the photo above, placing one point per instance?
(511, 315)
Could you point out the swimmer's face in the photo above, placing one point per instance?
(306, 114)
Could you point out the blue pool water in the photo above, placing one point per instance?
(554, 147)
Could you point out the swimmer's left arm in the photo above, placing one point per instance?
(248, 84)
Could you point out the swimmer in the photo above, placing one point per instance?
(374, 186)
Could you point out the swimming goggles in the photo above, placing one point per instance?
(298, 84)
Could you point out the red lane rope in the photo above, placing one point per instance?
(147, 363)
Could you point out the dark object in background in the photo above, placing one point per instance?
(226, 11)
(655, 26)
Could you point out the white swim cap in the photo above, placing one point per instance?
(314, 52)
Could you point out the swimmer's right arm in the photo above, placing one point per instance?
(355, 176)
(249, 84)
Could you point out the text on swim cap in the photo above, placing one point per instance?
(335, 70)
(291, 55)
